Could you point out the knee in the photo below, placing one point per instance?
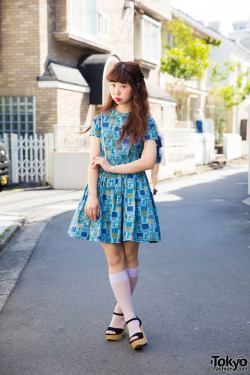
(132, 260)
(116, 259)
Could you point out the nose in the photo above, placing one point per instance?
(117, 91)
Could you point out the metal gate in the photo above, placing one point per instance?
(30, 157)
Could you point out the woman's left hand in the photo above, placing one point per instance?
(98, 160)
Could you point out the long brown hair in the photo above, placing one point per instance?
(136, 125)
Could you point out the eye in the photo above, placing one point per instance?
(123, 86)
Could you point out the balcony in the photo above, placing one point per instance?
(81, 25)
(147, 42)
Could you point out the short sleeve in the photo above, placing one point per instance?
(96, 126)
(151, 132)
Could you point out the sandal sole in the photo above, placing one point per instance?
(116, 337)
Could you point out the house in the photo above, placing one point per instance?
(237, 51)
(194, 92)
(54, 57)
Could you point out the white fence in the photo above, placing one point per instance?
(30, 157)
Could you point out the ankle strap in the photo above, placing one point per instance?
(117, 314)
(130, 320)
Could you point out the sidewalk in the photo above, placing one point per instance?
(10, 225)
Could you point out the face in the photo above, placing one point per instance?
(121, 92)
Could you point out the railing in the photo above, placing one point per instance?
(70, 137)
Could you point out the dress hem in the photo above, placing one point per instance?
(127, 240)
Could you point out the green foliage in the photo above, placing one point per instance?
(213, 42)
(188, 56)
(236, 93)
(230, 95)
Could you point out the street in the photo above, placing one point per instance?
(192, 294)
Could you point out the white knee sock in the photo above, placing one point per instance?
(133, 274)
(121, 287)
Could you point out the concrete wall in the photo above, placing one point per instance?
(69, 170)
(204, 148)
(232, 146)
(180, 160)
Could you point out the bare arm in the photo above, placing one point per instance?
(142, 164)
(92, 209)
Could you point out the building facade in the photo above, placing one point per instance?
(194, 91)
(231, 51)
(55, 55)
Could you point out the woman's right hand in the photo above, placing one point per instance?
(92, 208)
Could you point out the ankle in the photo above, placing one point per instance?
(118, 310)
(128, 317)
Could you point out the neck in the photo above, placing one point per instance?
(124, 108)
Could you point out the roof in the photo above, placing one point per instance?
(198, 25)
(157, 92)
(64, 73)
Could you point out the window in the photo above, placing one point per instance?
(147, 39)
(103, 24)
(83, 17)
(17, 114)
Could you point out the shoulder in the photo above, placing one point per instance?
(103, 114)
(151, 131)
(151, 121)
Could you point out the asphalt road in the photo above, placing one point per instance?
(192, 295)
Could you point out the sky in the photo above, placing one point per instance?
(225, 11)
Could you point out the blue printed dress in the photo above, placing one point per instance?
(127, 207)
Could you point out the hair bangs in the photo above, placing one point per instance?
(118, 74)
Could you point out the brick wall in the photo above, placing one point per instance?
(76, 110)
(19, 52)
(46, 110)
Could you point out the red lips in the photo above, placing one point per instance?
(117, 99)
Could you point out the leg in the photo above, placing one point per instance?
(154, 176)
(120, 283)
(132, 263)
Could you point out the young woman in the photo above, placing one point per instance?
(117, 208)
(155, 169)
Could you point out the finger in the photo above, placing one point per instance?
(94, 214)
(91, 214)
(98, 211)
(86, 212)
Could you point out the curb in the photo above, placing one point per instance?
(16, 255)
(246, 201)
(10, 234)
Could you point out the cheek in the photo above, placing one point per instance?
(128, 93)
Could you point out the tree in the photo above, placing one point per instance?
(186, 58)
(230, 88)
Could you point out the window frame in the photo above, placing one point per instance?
(103, 17)
(84, 34)
(15, 109)
(142, 55)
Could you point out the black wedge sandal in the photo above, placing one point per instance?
(119, 332)
(142, 340)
